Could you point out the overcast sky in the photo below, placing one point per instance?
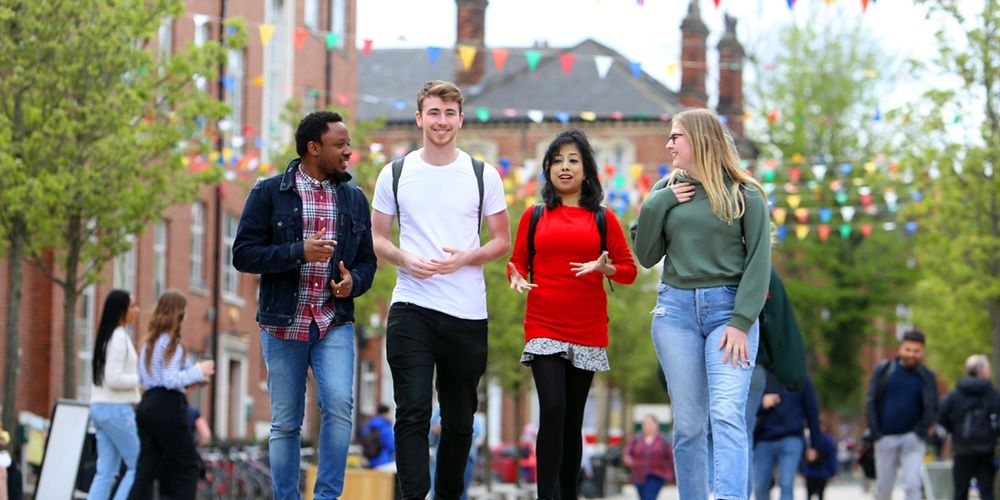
(647, 34)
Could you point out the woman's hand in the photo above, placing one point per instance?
(684, 191)
(517, 282)
(734, 343)
(602, 265)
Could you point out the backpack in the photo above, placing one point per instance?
(397, 172)
(600, 218)
(976, 429)
(371, 443)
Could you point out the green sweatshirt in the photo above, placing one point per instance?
(704, 251)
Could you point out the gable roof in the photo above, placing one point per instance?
(388, 80)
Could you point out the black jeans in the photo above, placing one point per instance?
(562, 396)
(164, 436)
(980, 466)
(418, 340)
(815, 486)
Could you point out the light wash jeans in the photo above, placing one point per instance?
(758, 382)
(786, 454)
(687, 328)
(117, 442)
(332, 361)
(898, 450)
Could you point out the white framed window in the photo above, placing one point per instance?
(338, 20)
(201, 35)
(311, 14)
(124, 271)
(230, 276)
(84, 324)
(159, 258)
(368, 386)
(277, 79)
(197, 254)
(165, 38)
(234, 94)
(311, 100)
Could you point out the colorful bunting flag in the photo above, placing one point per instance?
(636, 69)
(566, 59)
(532, 56)
(266, 32)
(332, 39)
(301, 34)
(500, 58)
(536, 115)
(433, 54)
(367, 48)
(603, 65)
(468, 54)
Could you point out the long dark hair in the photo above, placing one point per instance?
(115, 309)
(591, 192)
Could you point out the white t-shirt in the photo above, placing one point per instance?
(440, 208)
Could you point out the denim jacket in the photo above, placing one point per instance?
(269, 243)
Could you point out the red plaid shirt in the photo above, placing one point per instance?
(319, 210)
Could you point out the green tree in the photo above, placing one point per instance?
(818, 104)
(94, 128)
(953, 141)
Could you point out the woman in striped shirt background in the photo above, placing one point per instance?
(161, 415)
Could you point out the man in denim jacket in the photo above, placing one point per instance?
(307, 232)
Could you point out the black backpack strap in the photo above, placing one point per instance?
(536, 213)
(397, 171)
(601, 219)
(477, 167)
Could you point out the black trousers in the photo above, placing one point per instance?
(815, 486)
(164, 437)
(979, 466)
(418, 340)
(562, 396)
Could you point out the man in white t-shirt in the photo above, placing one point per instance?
(438, 312)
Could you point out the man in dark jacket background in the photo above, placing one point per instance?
(778, 437)
(969, 413)
(900, 408)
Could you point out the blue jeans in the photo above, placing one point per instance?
(687, 328)
(332, 361)
(758, 382)
(650, 488)
(117, 442)
(784, 453)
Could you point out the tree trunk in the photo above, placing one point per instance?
(70, 295)
(15, 258)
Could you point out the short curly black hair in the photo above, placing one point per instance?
(312, 128)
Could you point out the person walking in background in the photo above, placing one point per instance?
(778, 437)
(113, 390)
(709, 219)
(162, 411)
(307, 232)
(969, 413)
(650, 459)
(438, 317)
(377, 442)
(901, 407)
(566, 248)
(819, 470)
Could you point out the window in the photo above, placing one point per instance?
(312, 14)
(165, 38)
(84, 342)
(201, 35)
(197, 245)
(338, 20)
(234, 91)
(310, 101)
(230, 276)
(277, 79)
(125, 268)
(369, 385)
(159, 258)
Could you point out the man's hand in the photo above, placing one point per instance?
(456, 260)
(342, 288)
(517, 282)
(417, 266)
(317, 249)
(601, 265)
(771, 400)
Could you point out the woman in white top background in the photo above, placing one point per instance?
(115, 388)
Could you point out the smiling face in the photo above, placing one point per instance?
(911, 353)
(440, 121)
(566, 170)
(679, 147)
(333, 152)
(131, 313)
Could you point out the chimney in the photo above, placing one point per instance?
(693, 34)
(731, 79)
(471, 31)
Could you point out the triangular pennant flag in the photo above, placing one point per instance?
(532, 56)
(603, 65)
(536, 115)
(847, 213)
(791, 3)
(672, 69)
(433, 53)
(716, 3)
(332, 39)
(794, 200)
(819, 172)
(801, 231)
(567, 59)
(779, 215)
(483, 114)
(562, 116)
(636, 69)
(588, 116)
(258, 81)
(845, 231)
(266, 32)
(300, 38)
(500, 58)
(802, 215)
(367, 46)
(864, 6)
(199, 19)
(467, 53)
(824, 232)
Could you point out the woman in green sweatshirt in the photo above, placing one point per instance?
(709, 219)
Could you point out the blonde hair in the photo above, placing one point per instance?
(167, 319)
(715, 159)
(446, 91)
